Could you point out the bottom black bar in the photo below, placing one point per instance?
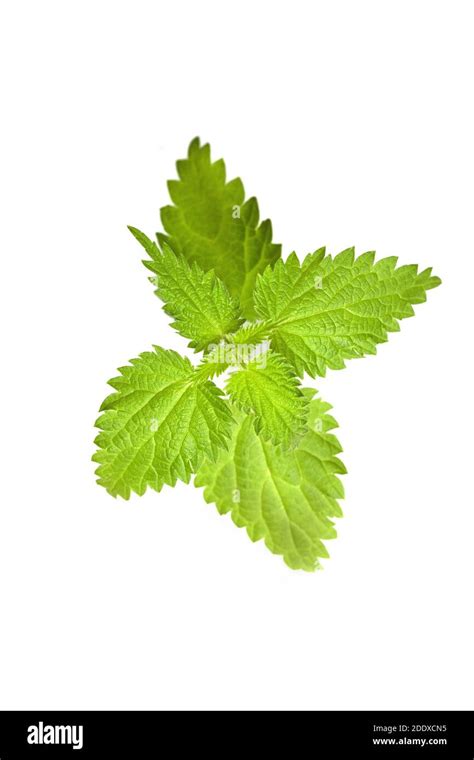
(321, 734)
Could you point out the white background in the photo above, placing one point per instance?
(353, 124)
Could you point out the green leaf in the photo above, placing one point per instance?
(211, 224)
(327, 309)
(268, 389)
(161, 422)
(200, 303)
(285, 497)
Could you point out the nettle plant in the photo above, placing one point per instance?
(260, 446)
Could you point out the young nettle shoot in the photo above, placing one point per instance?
(262, 446)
